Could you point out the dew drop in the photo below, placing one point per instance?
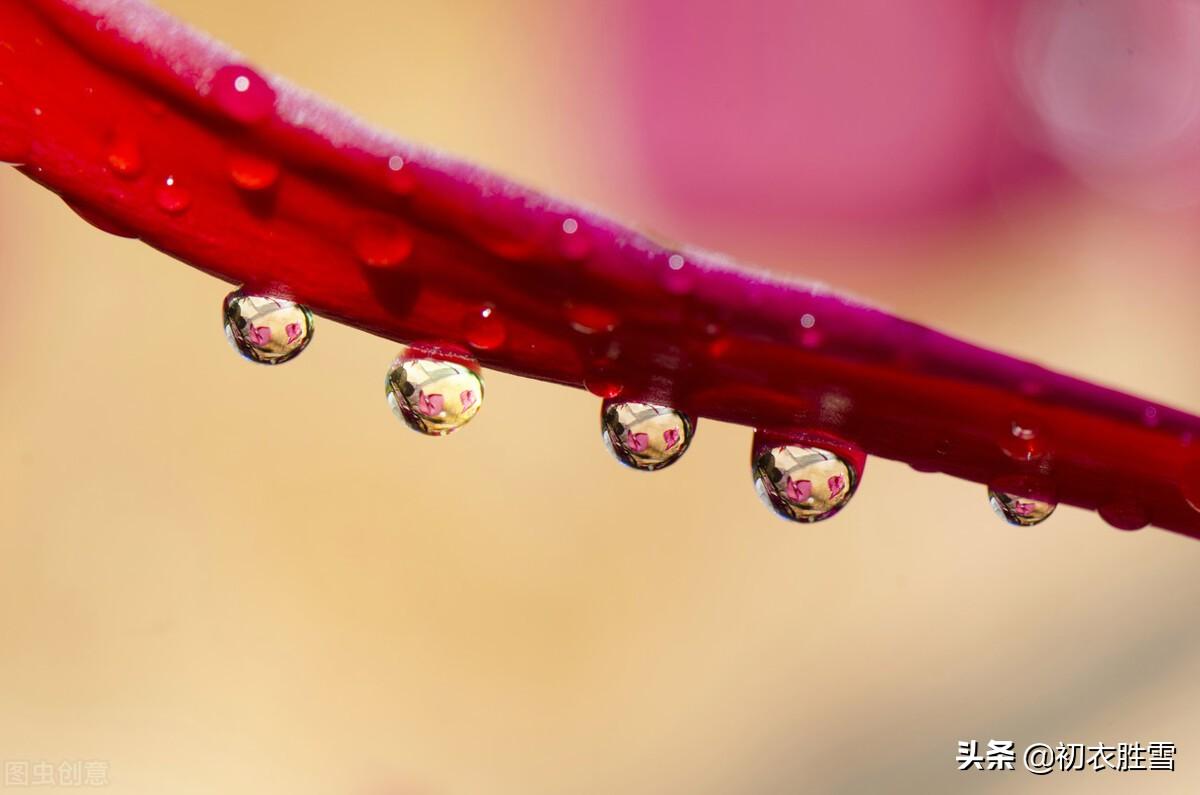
(382, 244)
(803, 483)
(1124, 513)
(172, 198)
(124, 157)
(266, 330)
(251, 172)
(603, 386)
(434, 394)
(591, 319)
(243, 94)
(574, 243)
(483, 329)
(678, 278)
(1022, 500)
(1022, 442)
(645, 436)
(400, 176)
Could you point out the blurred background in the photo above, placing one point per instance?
(222, 578)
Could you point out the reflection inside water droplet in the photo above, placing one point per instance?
(434, 395)
(266, 330)
(645, 436)
(1019, 510)
(802, 483)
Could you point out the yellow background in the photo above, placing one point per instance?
(223, 578)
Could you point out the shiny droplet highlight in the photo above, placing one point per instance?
(266, 330)
(242, 94)
(434, 390)
(172, 198)
(252, 172)
(484, 329)
(124, 157)
(645, 436)
(1022, 500)
(803, 482)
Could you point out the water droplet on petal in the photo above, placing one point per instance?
(591, 319)
(243, 94)
(252, 172)
(645, 436)
(1022, 500)
(1125, 513)
(172, 198)
(266, 330)
(574, 243)
(603, 386)
(483, 329)
(434, 389)
(124, 157)
(400, 176)
(382, 244)
(803, 482)
(1022, 442)
(679, 276)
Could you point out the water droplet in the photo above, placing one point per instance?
(603, 386)
(1125, 513)
(1150, 416)
(172, 198)
(382, 244)
(252, 172)
(484, 329)
(645, 436)
(679, 276)
(243, 94)
(435, 390)
(591, 319)
(400, 176)
(1022, 442)
(1022, 500)
(803, 482)
(266, 330)
(124, 157)
(574, 243)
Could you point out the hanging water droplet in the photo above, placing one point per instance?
(243, 94)
(1124, 513)
(603, 386)
(382, 244)
(124, 157)
(484, 329)
(251, 172)
(1022, 500)
(803, 482)
(172, 198)
(645, 436)
(435, 389)
(266, 330)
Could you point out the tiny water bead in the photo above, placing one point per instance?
(172, 198)
(400, 177)
(266, 330)
(243, 94)
(645, 436)
(1124, 513)
(124, 157)
(382, 244)
(251, 172)
(803, 483)
(434, 394)
(484, 329)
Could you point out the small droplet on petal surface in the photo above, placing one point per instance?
(591, 319)
(1125, 513)
(803, 482)
(645, 436)
(574, 243)
(243, 94)
(1023, 441)
(678, 277)
(252, 172)
(172, 198)
(400, 176)
(484, 329)
(603, 386)
(266, 330)
(434, 393)
(124, 157)
(382, 244)
(1021, 500)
